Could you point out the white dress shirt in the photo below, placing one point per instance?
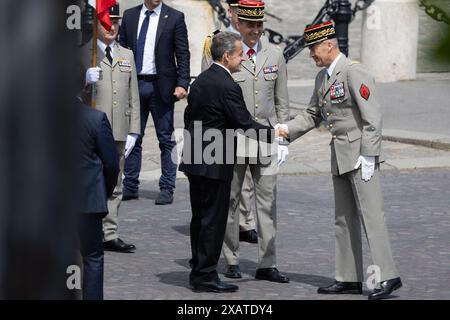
(148, 65)
(223, 67)
(333, 65)
(246, 48)
(102, 46)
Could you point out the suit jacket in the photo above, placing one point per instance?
(171, 50)
(99, 160)
(265, 90)
(217, 101)
(116, 92)
(347, 102)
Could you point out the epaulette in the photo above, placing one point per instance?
(208, 42)
(354, 62)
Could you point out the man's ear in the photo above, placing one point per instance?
(238, 25)
(226, 57)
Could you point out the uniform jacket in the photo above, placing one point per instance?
(217, 101)
(98, 162)
(347, 102)
(171, 50)
(116, 92)
(265, 88)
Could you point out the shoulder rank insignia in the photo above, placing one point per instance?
(271, 69)
(337, 91)
(364, 92)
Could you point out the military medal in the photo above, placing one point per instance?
(270, 69)
(124, 63)
(337, 91)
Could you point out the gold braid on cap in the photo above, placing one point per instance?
(251, 13)
(319, 34)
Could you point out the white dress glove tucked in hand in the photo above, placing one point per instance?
(367, 164)
(283, 151)
(129, 145)
(93, 75)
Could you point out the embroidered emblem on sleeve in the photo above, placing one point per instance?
(364, 92)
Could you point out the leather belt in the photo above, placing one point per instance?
(147, 77)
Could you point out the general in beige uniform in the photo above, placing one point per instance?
(116, 94)
(346, 101)
(263, 79)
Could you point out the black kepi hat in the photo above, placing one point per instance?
(251, 10)
(114, 12)
(319, 32)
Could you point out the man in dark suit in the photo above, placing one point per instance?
(215, 104)
(157, 35)
(98, 172)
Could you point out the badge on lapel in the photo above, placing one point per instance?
(337, 91)
(270, 69)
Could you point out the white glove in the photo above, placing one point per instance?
(283, 152)
(129, 145)
(93, 75)
(367, 164)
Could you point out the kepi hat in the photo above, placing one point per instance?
(319, 32)
(251, 10)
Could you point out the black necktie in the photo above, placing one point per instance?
(141, 41)
(108, 54)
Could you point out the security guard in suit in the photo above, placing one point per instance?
(263, 80)
(115, 90)
(247, 224)
(345, 98)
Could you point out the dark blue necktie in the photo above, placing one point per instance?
(141, 41)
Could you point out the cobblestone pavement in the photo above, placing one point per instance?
(417, 213)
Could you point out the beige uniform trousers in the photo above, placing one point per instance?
(358, 202)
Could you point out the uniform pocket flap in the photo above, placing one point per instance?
(353, 135)
(270, 76)
(125, 68)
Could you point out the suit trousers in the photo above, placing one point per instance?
(246, 217)
(163, 117)
(91, 248)
(265, 190)
(209, 203)
(356, 202)
(111, 221)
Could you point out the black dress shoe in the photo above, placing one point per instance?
(164, 197)
(339, 287)
(233, 272)
(117, 245)
(213, 286)
(386, 288)
(127, 195)
(248, 236)
(271, 274)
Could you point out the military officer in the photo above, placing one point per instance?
(263, 80)
(115, 91)
(345, 98)
(247, 225)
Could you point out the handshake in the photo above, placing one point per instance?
(281, 134)
(281, 131)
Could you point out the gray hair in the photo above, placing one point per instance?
(334, 42)
(223, 42)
